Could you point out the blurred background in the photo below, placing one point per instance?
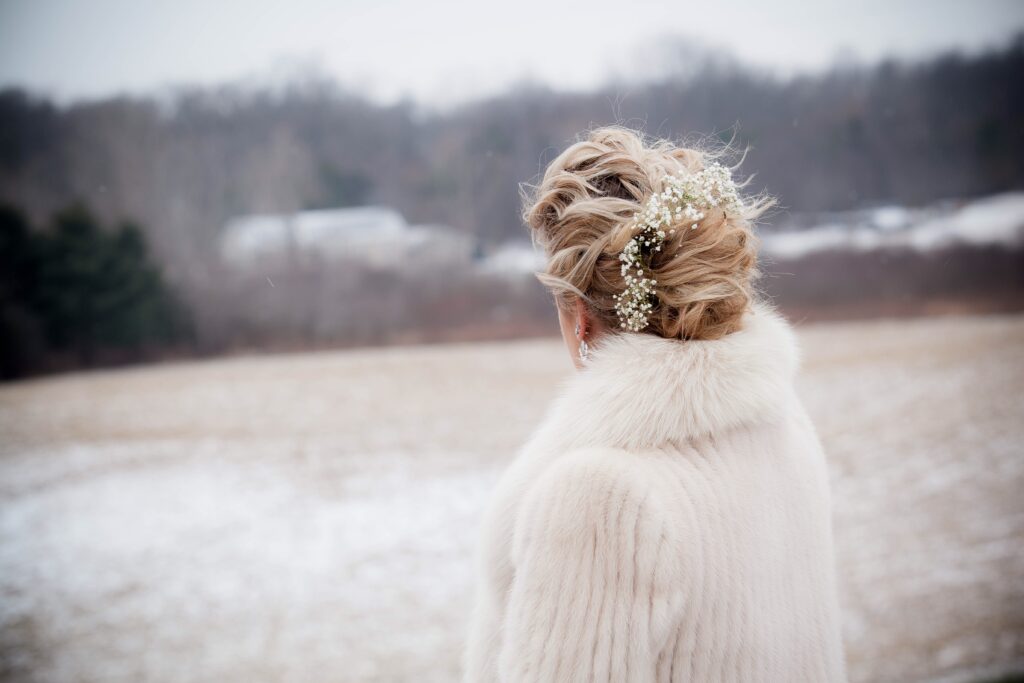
(269, 330)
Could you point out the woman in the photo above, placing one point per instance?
(670, 518)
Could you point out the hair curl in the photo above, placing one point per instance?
(581, 214)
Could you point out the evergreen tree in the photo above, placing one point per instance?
(80, 289)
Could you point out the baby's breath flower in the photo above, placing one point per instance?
(682, 198)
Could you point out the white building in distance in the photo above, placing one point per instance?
(376, 236)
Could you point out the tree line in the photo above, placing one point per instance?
(182, 165)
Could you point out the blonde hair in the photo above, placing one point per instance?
(581, 213)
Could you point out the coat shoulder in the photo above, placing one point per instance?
(590, 471)
(588, 490)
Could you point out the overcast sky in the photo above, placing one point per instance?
(444, 52)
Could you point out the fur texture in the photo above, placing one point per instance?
(669, 520)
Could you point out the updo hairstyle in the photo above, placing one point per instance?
(581, 213)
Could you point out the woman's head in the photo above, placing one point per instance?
(582, 214)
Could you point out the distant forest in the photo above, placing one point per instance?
(179, 165)
(182, 164)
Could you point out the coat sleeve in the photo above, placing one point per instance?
(590, 596)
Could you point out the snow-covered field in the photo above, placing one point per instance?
(994, 220)
(311, 517)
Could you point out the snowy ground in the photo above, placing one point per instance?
(311, 517)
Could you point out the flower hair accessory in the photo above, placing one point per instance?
(683, 200)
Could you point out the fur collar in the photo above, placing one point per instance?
(640, 390)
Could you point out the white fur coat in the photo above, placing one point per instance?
(669, 520)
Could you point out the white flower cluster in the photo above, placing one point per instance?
(683, 200)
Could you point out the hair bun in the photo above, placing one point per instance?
(583, 214)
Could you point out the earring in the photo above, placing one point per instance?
(584, 349)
